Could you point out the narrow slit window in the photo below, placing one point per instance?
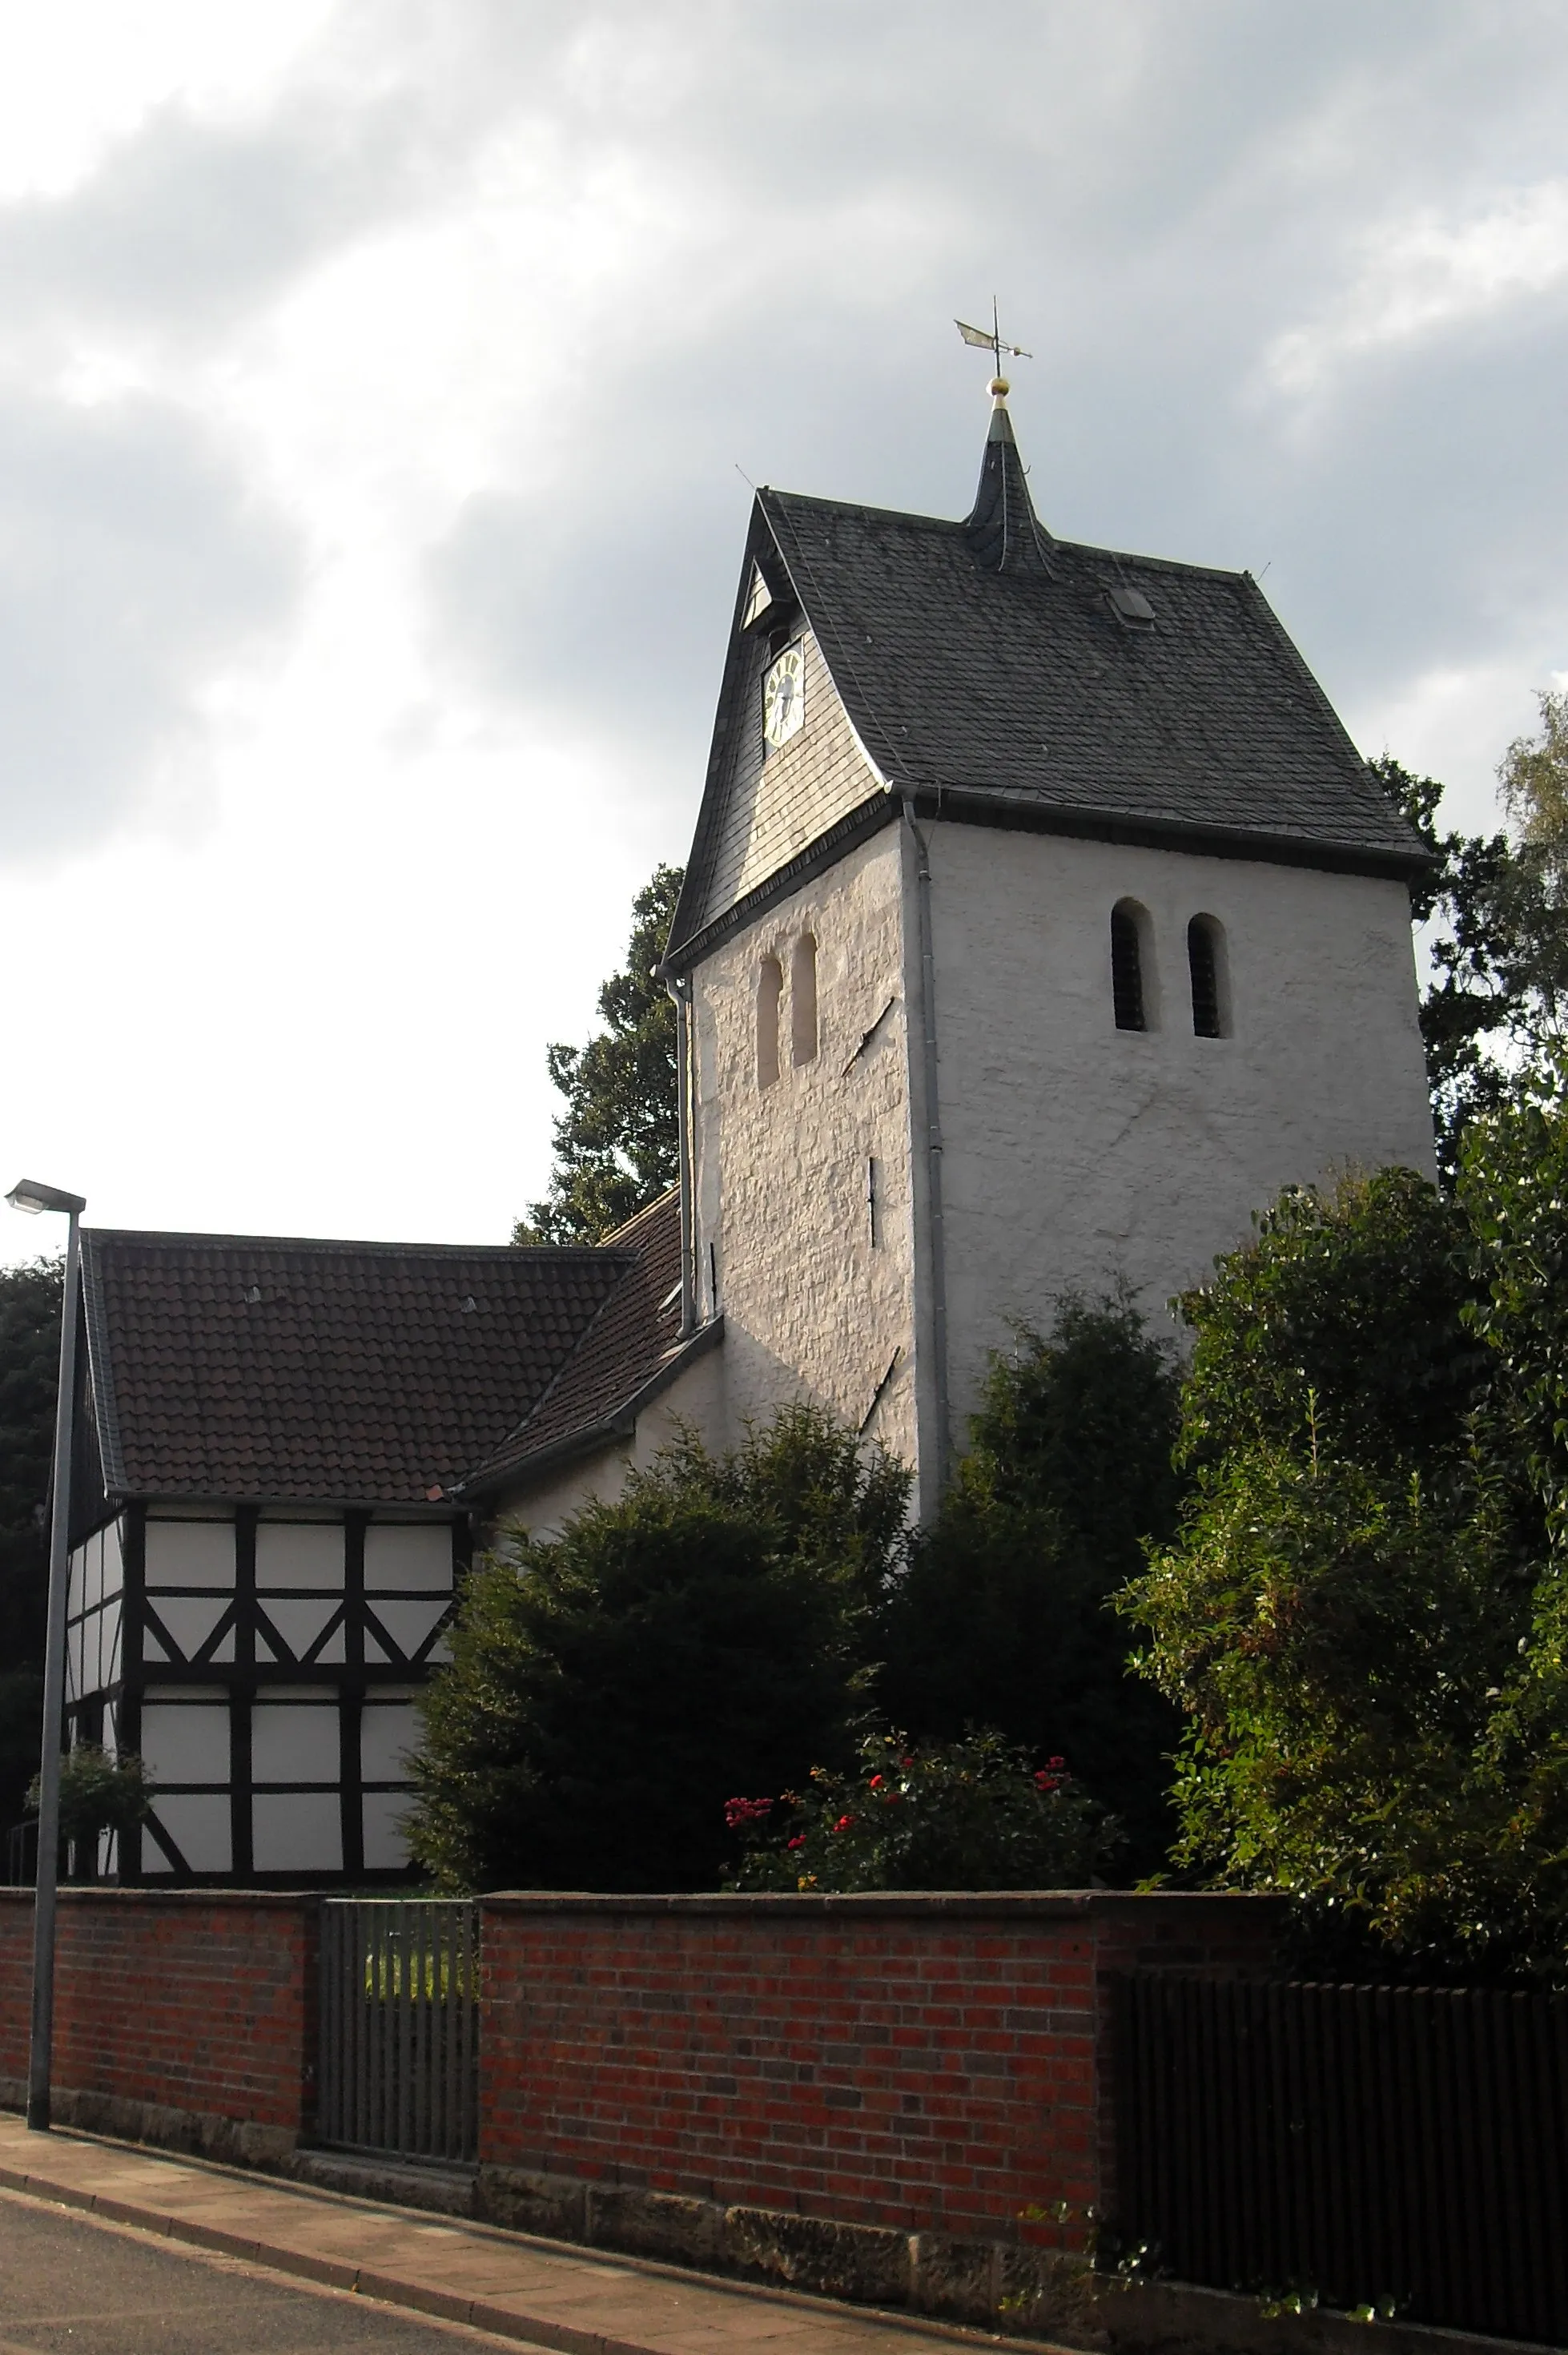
(1205, 964)
(1127, 969)
(769, 990)
(803, 1000)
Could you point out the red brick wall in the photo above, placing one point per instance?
(15, 1980)
(923, 2062)
(198, 1999)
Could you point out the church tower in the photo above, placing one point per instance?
(1041, 923)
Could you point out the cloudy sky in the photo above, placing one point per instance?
(378, 381)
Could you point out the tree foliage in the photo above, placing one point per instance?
(98, 1793)
(1365, 1610)
(1003, 1619)
(1495, 911)
(972, 1813)
(616, 1141)
(609, 1687)
(29, 1370)
(1346, 1311)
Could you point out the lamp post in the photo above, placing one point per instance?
(32, 1198)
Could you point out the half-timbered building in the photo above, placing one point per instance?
(269, 1533)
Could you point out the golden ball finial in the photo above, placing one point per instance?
(1000, 388)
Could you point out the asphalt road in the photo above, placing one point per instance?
(68, 2283)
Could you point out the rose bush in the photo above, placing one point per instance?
(972, 1813)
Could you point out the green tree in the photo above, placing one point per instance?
(1005, 1618)
(616, 1141)
(1363, 1613)
(1346, 1311)
(1471, 909)
(973, 1814)
(610, 1687)
(30, 1364)
(98, 1793)
(1494, 912)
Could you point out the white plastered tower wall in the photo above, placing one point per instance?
(804, 1219)
(1003, 737)
(1074, 1153)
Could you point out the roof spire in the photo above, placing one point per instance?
(1004, 533)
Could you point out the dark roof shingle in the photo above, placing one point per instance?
(990, 672)
(1028, 688)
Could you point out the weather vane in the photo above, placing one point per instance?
(992, 344)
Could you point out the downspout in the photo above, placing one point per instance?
(932, 1142)
(679, 989)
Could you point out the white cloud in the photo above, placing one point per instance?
(373, 379)
(1425, 276)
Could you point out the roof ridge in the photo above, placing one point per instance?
(617, 1235)
(1058, 545)
(501, 1253)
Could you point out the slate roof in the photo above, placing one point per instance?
(988, 672)
(631, 1349)
(259, 1367)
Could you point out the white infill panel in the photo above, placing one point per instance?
(112, 1540)
(409, 1560)
(199, 1825)
(299, 1622)
(84, 1580)
(185, 1742)
(189, 1619)
(388, 1731)
(294, 1741)
(386, 1842)
(190, 1553)
(109, 1642)
(299, 1554)
(297, 1831)
(407, 1622)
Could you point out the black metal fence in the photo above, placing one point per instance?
(398, 2067)
(1402, 2148)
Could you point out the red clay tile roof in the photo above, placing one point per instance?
(257, 1366)
(633, 1342)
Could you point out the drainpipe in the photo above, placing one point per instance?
(932, 1142)
(679, 989)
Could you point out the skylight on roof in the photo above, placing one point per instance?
(1130, 604)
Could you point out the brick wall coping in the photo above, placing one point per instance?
(87, 1893)
(909, 1905)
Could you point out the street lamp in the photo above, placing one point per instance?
(32, 1198)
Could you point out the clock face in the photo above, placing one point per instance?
(784, 697)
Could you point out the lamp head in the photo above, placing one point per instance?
(28, 1195)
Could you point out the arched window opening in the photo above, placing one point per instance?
(769, 990)
(803, 1000)
(1126, 967)
(1207, 965)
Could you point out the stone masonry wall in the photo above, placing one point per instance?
(181, 2017)
(815, 1282)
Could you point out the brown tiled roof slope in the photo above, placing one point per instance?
(635, 1341)
(238, 1366)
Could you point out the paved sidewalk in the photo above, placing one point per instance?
(534, 2292)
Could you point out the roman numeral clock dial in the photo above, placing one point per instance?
(784, 697)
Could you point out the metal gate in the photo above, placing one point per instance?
(399, 2027)
(1401, 2147)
